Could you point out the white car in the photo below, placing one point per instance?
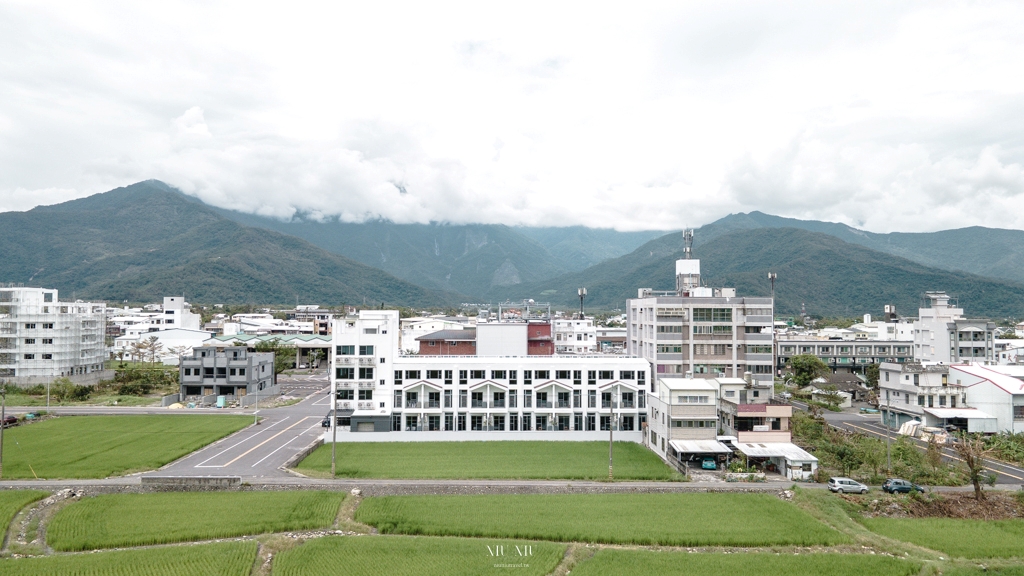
(842, 485)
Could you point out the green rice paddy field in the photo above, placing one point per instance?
(617, 562)
(103, 446)
(222, 559)
(959, 538)
(710, 519)
(464, 460)
(117, 520)
(11, 501)
(418, 556)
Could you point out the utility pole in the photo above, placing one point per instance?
(334, 425)
(256, 412)
(771, 278)
(611, 425)
(888, 412)
(3, 414)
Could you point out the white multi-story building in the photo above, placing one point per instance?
(173, 314)
(852, 355)
(477, 397)
(907, 390)
(702, 332)
(574, 336)
(42, 338)
(413, 328)
(942, 334)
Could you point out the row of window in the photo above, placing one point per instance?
(43, 340)
(44, 356)
(502, 399)
(514, 422)
(350, 350)
(349, 373)
(513, 375)
(209, 372)
(46, 326)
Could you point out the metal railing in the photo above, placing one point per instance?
(563, 404)
(432, 404)
(543, 404)
(499, 404)
(412, 404)
(478, 404)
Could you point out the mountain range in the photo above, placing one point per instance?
(146, 240)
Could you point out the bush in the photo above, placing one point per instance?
(37, 390)
(64, 390)
(134, 389)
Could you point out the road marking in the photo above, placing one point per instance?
(243, 441)
(285, 444)
(246, 453)
(950, 454)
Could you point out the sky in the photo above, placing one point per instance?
(887, 116)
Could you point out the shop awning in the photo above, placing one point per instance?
(699, 447)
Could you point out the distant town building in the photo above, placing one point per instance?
(574, 335)
(42, 338)
(320, 320)
(232, 372)
(942, 334)
(524, 338)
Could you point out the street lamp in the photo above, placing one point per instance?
(775, 369)
(3, 415)
(611, 423)
(583, 294)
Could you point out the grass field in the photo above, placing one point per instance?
(417, 556)
(11, 501)
(669, 519)
(223, 559)
(463, 460)
(960, 538)
(141, 519)
(616, 562)
(102, 446)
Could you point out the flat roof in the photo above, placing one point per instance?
(785, 450)
(699, 447)
(687, 384)
(968, 413)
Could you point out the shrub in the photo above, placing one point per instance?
(134, 389)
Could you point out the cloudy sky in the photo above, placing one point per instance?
(887, 116)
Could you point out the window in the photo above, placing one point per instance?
(712, 314)
(369, 330)
(886, 376)
(592, 399)
(188, 372)
(1018, 412)
(627, 375)
(30, 340)
(478, 374)
(48, 326)
(670, 349)
(920, 400)
(366, 394)
(346, 350)
(463, 377)
(591, 377)
(512, 399)
(345, 373)
(692, 399)
(233, 372)
(463, 397)
(448, 399)
(670, 329)
(497, 374)
(527, 400)
(222, 372)
(412, 374)
(542, 374)
(30, 326)
(448, 377)
(241, 371)
(751, 349)
(346, 394)
(366, 350)
(512, 376)
(433, 374)
(606, 375)
(366, 373)
(562, 375)
(47, 340)
(527, 378)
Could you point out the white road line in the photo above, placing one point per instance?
(300, 435)
(201, 464)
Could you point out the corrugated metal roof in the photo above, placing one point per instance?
(469, 334)
(1007, 383)
(700, 447)
(968, 413)
(786, 450)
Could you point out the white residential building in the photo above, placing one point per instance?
(574, 336)
(42, 338)
(942, 334)
(699, 331)
(174, 313)
(477, 397)
(174, 343)
(411, 330)
(997, 391)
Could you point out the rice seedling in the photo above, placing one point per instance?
(11, 501)
(223, 559)
(955, 537)
(609, 562)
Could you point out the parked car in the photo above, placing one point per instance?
(896, 485)
(708, 464)
(785, 395)
(841, 485)
(10, 421)
(326, 422)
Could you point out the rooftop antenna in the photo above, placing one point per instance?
(688, 243)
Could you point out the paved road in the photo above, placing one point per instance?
(870, 425)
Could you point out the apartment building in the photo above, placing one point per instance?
(907, 391)
(231, 371)
(942, 334)
(699, 331)
(497, 396)
(574, 335)
(42, 338)
(843, 356)
(320, 320)
(507, 338)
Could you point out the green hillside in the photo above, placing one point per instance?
(829, 276)
(147, 240)
(992, 252)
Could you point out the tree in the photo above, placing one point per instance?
(873, 454)
(848, 457)
(871, 372)
(973, 453)
(284, 356)
(179, 351)
(806, 368)
(830, 394)
(153, 348)
(934, 454)
(314, 358)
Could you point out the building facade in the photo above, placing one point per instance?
(231, 371)
(942, 334)
(701, 332)
(851, 356)
(378, 390)
(42, 338)
(574, 335)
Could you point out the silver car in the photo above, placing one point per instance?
(841, 485)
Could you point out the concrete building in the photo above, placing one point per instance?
(943, 335)
(996, 391)
(848, 356)
(508, 338)
(311, 350)
(320, 320)
(232, 372)
(42, 338)
(699, 331)
(174, 313)
(413, 328)
(611, 340)
(503, 396)
(173, 343)
(574, 335)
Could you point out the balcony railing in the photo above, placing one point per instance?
(563, 404)
(627, 404)
(609, 404)
(412, 404)
(499, 403)
(479, 404)
(366, 384)
(543, 404)
(432, 404)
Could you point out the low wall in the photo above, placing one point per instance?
(221, 481)
(301, 454)
(478, 436)
(265, 394)
(169, 399)
(80, 379)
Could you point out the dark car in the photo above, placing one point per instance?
(896, 485)
(10, 421)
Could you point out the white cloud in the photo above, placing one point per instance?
(888, 116)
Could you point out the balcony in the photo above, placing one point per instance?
(499, 403)
(432, 404)
(628, 404)
(478, 404)
(412, 404)
(543, 404)
(563, 404)
(609, 404)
